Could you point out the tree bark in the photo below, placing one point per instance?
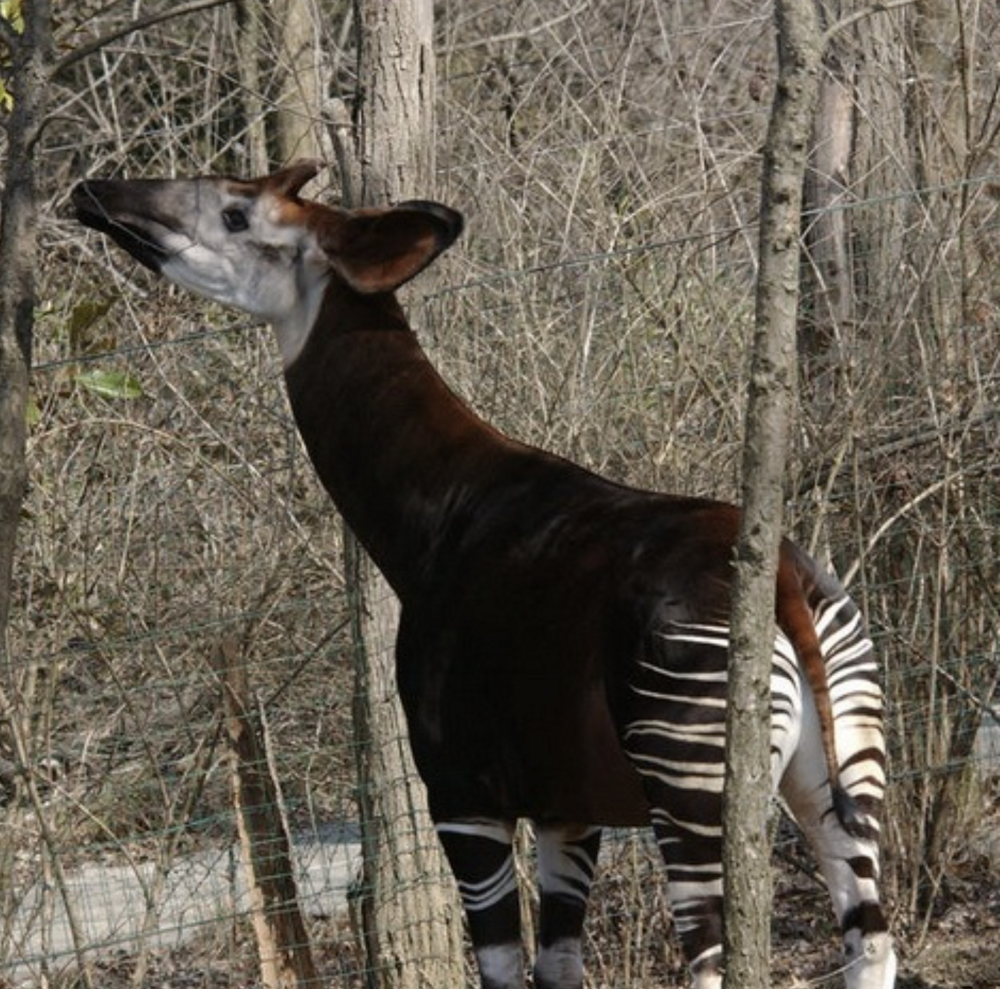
(410, 917)
(30, 59)
(939, 141)
(251, 34)
(746, 858)
(410, 911)
(828, 305)
(395, 101)
(283, 948)
(302, 87)
(879, 163)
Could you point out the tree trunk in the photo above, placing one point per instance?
(828, 305)
(880, 156)
(746, 858)
(29, 55)
(395, 100)
(410, 910)
(283, 949)
(939, 139)
(302, 88)
(410, 917)
(251, 34)
(941, 116)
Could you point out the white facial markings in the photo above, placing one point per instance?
(242, 252)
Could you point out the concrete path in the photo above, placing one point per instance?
(114, 904)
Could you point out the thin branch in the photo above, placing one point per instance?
(825, 474)
(887, 524)
(520, 35)
(140, 24)
(860, 15)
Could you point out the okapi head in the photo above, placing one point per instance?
(256, 245)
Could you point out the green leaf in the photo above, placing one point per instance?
(111, 384)
(83, 319)
(10, 11)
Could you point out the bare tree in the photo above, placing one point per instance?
(302, 79)
(829, 275)
(410, 911)
(746, 855)
(251, 31)
(29, 47)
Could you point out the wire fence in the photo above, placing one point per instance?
(600, 306)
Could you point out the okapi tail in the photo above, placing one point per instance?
(796, 620)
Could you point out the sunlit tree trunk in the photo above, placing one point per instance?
(410, 911)
(746, 857)
(939, 142)
(302, 73)
(828, 303)
(251, 32)
(29, 54)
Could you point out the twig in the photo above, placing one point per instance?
(877, 535)
(825, 475)
(282, 940)
(50, 842)
(860, 15)
(342, 135)
(139, 24)
(520, 35)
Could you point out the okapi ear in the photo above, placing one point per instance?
(293, 177)
(379, 250)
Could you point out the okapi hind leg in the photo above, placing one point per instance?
(480, 853)
(850, 866)
(694, 888)
(675, 737)
(848, 857)
(686, 813)
(567, 859)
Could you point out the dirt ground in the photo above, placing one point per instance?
(961, 950)
(957, 949)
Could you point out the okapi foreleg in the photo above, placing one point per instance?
(481, 856)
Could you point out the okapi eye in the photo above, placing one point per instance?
(235, 219)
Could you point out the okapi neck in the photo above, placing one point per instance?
(395, 448)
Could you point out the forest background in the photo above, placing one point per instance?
(606, 155)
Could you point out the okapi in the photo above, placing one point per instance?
(562, 648)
